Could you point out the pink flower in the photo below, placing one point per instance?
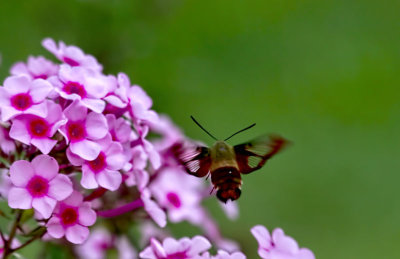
(179, 193)
(71, 218)
(36, 67)
(7, 145)
(103, 170)
(71, 55)
(184, 248)
(21, 95)
(279, 246)
(88, 86)
(37, 184)
(31, 129)
(140, 104)
(82, 130)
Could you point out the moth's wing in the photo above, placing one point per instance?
(195, 158)
(253, 155)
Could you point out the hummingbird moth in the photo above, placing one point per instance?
(226, 163)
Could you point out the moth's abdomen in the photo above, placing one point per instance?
(227, 180)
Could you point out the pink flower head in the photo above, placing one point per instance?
(278, 246)
(22, 95)
(31, 129)
(71, 218)
(148, 147)
(179, 193)
(103, 170)
(37, 184)
(184, 248)
(225, 255)
(71, 55)
(82, 130)
(88, 86)
(7, 145)
(36, 67)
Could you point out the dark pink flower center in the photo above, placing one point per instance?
(75, 88)
(173, 198)
(21, 101)
(99, 163)
(70, 62)
(38, 186)
(42, 76)
(69, 216)
(177, 255)
(76, 131)
(38, 127)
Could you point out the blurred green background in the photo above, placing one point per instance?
(324, 74)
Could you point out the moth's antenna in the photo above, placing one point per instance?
(201, 127)
(252, 125)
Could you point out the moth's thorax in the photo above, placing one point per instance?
(222, 155)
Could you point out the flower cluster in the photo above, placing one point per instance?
(75, 150)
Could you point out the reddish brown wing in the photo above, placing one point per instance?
(195, 159)
(253, 155)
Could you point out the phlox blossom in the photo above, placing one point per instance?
(179, 193)
(22, 95)
(278, 245)
(184, 248)
(36, 67)
(88, 86)
(71, 55)
(103, 170)
(37, 184)
(7, 145)
(71, 218)
(83, 129)
(31, 129)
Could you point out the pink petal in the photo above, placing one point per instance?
(38, 109)
(88, 180)
(19, 198)
(262, 236)
(17, 84)
(44, 205)
(7, 112)
(45, 145)
(115, 158)
(95, 105)
(86, 149)
(51, 46)
(74, 159)
(199, 244)
(54, 228)
(4, 97)
(114, 100)
(87, 216)
(75, 111)
(74, 200)
(108, 179)
(60, 187)
(55, 114)
(21, 172)
(96, 125)
(172, 246)
(40, 90)
(77, 234)
(158, 249)
(45, 166)
(18, 132)
(305, 253)
(155, 212)
(283, 242)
